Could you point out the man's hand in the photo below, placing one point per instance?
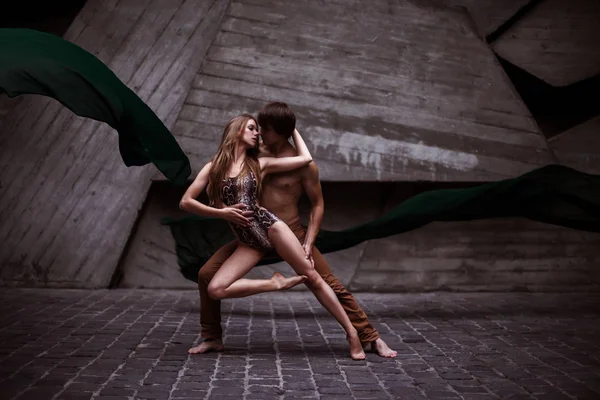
(308, 249)
(237, 214)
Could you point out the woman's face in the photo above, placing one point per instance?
(250, 134)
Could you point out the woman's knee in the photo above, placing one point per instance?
(304, 267)
(312, 278)
(216, 291)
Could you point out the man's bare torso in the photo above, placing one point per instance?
(281, 192)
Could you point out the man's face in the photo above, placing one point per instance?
(269, 136)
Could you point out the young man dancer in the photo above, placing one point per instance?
(280, 194)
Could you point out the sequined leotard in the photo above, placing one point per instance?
(243, 190)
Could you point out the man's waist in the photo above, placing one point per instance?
(298, 229)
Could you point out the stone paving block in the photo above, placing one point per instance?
(36, 393)
(74, 396)
(194, 396)
(441, 394)
(228, 391)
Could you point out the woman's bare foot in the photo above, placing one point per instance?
(356, 349)
(380, 347)
(207, 346)
(283, 283)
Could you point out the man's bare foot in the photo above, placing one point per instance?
(282, 283)
(356, 349)
(380, 347)
(207, 346)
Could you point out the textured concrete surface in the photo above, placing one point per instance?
(557, 41)
(128, 344)
(396, 91)
(487, 15)
(579, 147)
(68, 203)
(500, 254)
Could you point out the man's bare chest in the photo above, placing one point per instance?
(285, 181)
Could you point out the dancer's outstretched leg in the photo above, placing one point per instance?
(290, 250)
(228, 282)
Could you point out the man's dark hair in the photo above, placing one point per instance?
(279, 117)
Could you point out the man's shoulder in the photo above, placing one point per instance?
(309, 173)
(312, 167)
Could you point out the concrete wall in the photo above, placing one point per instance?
(401, 92)
(488, 255)
(557, 41)
(68, 204)
(484, 255)
(487, 15)
(150, 260)
(382, 93)
(579, 147)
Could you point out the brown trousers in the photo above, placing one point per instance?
(210, 310)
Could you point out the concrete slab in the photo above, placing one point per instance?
(68, 204)
(557, 41)
(406, 95)
(484, 255)
(487, 15)
(579, 147)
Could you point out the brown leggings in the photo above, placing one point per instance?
(210, 310)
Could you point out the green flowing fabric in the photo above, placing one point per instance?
(33, 62)
(553, 194)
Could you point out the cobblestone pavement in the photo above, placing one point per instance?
(123, 344)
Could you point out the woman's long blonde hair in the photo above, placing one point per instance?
(223, 160)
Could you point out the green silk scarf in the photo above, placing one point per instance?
(552, 194)
(33, 62)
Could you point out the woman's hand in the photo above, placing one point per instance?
(237, 214)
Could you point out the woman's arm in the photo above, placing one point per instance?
(270, 165)
(188, 202)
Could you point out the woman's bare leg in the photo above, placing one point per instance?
(289, 248)
(228, 281)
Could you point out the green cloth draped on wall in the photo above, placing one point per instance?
(33, 62)
(553, 194)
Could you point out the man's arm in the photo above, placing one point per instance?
(312, 188)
